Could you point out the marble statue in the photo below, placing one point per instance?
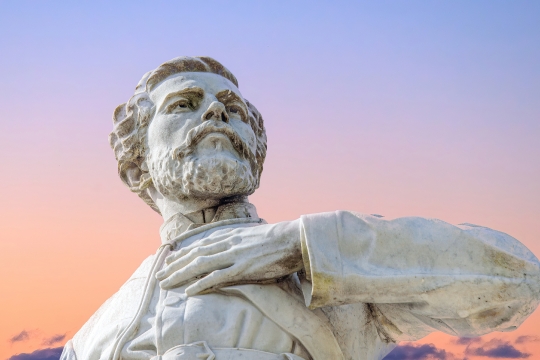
(226, 285)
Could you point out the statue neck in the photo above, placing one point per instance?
(171, 207)
(231, 208)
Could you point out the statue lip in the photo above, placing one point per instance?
(197, 134)
(216, 140)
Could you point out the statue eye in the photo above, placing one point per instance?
(238, 111)
(182, 105)
(179, 106)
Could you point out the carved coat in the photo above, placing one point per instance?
(368, 283)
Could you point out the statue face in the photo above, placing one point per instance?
(199, 142)
(181, 101)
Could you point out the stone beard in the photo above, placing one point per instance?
(183, 172)
(225, 285)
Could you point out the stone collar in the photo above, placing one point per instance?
(180, 223)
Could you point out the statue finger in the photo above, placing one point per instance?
(203, 242)
(188, 257)
(197, 268)
(215, 279)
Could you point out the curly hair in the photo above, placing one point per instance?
(131, 120)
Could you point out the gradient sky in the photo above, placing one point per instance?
(399, 108)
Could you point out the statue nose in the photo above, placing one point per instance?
(217, 112)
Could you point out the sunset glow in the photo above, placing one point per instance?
(385, 107)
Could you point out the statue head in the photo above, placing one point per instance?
(188, 133)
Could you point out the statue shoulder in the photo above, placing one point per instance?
(143, 270)
(100, 329)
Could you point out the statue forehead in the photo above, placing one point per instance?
(209, 82)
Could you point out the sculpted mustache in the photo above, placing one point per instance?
(196, 134)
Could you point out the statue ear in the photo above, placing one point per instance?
(131, 175)
(139, 182)
(144, 166)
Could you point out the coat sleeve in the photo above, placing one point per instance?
(419, 275)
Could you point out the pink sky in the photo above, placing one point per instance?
(421, 109)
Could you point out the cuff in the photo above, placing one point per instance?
(319, 238)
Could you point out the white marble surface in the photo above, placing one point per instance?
(226, 284)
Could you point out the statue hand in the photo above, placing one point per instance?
(232, 256)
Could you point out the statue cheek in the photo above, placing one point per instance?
(170, 130)
(247, 134)
(250, 140)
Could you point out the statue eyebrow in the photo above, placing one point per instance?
(195, 93)
(228, 96)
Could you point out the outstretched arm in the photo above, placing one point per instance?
(419, 275)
